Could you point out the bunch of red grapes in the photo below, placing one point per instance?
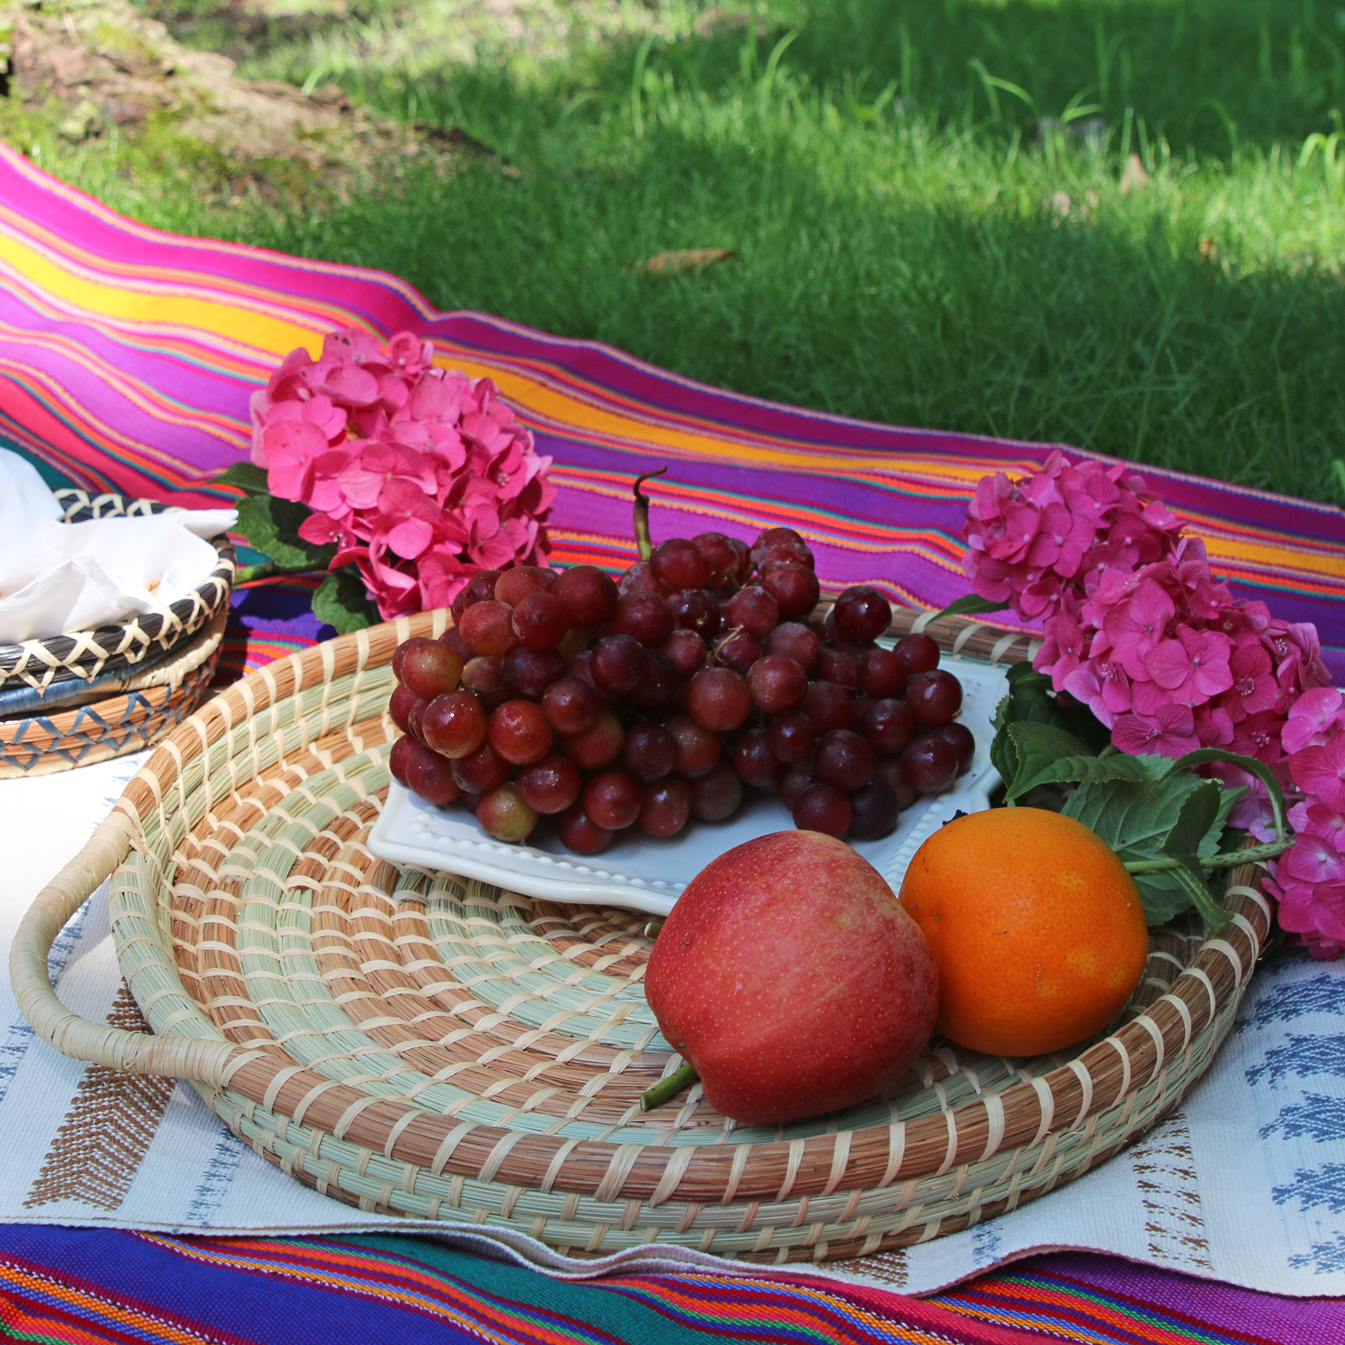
(657, 700)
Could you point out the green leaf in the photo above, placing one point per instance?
(1041, 748)
(342, 601)
(1030, 700)
(1078, 769)
(972, 604)
(247, 476)
(1197, 818)
(272, 526)
(1135, 818)
(1202, 755)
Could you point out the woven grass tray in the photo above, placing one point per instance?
(439, 1049)
(81, 656)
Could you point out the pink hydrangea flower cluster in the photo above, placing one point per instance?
(1138, 628)
(420, 476)
(1310, 878)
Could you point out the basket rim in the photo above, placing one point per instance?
(82, 654)
(1031, 1112)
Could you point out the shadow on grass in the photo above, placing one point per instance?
(1110, 332)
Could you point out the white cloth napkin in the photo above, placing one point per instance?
(57, 577)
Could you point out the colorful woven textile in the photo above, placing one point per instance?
(73, 1285)
(127, 357)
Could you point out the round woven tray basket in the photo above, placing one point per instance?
(55, 663)
(434, 1048)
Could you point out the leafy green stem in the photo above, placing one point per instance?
(267, 569)
(669, 1087)
(1229, 860)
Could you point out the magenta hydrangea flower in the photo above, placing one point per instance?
(1138, 628)
(419, 475)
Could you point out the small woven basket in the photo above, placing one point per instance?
(60, 662)
(434, 1048)
(117, 713)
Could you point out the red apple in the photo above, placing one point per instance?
(792, 980)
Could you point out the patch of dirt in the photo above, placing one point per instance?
(87, 67)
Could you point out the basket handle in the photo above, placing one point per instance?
(71, 1035)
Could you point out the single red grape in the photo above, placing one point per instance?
(882, 674)
(794, 587)
(483, 674)
(528, 672)
(823, 808)
(791, 736)
(540, 620)
(719, 699)
(934, 697)
(515, 583)
(777, 683)
(839, 666)
(519, 732)
(665, 806)
(828, 706)
(844, 759)
(579, 833)
(453, 724)
(756, 763)
(738, 651)
(488, 627)
(619, 663)
(678, 563)
(588, 595)
(918, 653)
(649, 752)
(549, 785)
(797, 778)
(645, 616)
(400, 704)
(889, 725)
(428, 775)
(598, 745)
(797, 641)
(721, 559)
(874, 812)
(571, 705)
(481, 771)
(428, 667)
(612, 799)
(695, 609)
(890, 772)
(960, 736)
(717, 795)
(862, 613)
(698, 748)
(754, 610)
(640, 578)
(930, 763)
(687, 651)
(504, 815)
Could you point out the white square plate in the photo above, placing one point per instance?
(644, 874)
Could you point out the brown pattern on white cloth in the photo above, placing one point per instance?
(887, 1268)
(107, 1131)
(1165, 1172)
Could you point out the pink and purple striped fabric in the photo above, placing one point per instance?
(127, 357)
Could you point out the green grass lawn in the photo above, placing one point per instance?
(935, 212)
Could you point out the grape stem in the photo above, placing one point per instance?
(644, 544)
(1226, 861)
(669, 1087)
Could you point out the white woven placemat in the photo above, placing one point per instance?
(1245, 1184)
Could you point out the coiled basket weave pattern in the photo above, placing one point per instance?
(433, 1048)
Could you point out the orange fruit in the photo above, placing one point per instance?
(1037, 929)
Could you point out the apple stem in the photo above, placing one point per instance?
(669, 1087)
(651, 930)
(644, 543)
